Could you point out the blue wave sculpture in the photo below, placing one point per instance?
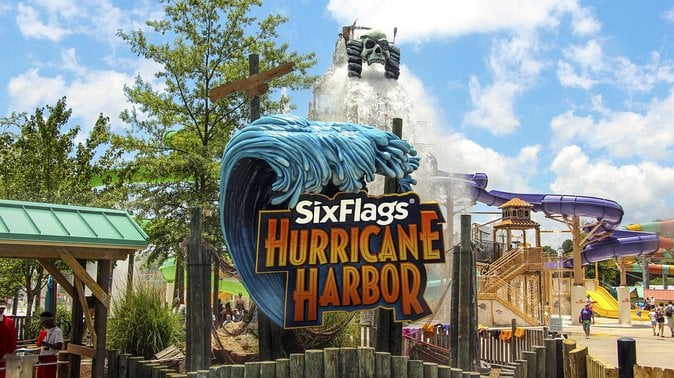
(270, 163)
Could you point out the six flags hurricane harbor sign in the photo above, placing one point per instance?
(351, 252)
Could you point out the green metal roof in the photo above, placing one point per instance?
(61, 225)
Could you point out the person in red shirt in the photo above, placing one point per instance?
(50, 346)
(7, 336)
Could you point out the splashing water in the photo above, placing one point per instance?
(375, 100)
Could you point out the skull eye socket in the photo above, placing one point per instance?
(384, 44)
(369, 44)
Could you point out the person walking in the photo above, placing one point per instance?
(660, 318)
(240, 307)
(654, 321)
(586, 317)
(50, 346)
(7, 336)
(669, 311)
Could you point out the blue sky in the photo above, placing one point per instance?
(556, 96)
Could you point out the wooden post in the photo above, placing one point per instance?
(389, 334)
(134, 368)
(282, 368)
(216, 290)
(179, 281)
(366, 362)
(578, 362)
(331, 362)
(567, 346)
(382, 364)
(269, 333)
(296, 365)
(550, 358)
(77, 325)
(559, 357)
(251, 369)
(513, 345)
(313, 362)
(124, 365)
(415, 368)
(348, 362)
(577, 262)
(464, 356)
(268, 369)
(198, 298)
(541, 367)
(113, 363)
(129, 274)
(254, 68)
(645, 273)
(530, 357)
(399, 366)
(454, 315)
(103, 278)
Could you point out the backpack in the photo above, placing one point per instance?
(670, 311)
(659, 315)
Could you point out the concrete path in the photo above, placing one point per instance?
(654, 351)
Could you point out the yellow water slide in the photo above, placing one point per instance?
(604, 305)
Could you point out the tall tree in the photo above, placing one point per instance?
(40, 162)
(177, 134)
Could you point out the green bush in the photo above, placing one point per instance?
(141, 325)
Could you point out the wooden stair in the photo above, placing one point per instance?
(496, 283)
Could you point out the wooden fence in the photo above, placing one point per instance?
(329, 362)
(534, 356)
(497, 345)
(21, 327)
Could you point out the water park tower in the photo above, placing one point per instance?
(512, 285)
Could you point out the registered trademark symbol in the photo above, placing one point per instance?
(412, 200)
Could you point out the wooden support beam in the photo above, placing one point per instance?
(50, 267)
(253, 85)
(82, 274)
(27, 251)
(103, 278)
(88, 321)
(81, 350)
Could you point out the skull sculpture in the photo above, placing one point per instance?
(375, 47)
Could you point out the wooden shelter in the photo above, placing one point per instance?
(74, 234)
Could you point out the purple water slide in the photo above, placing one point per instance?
(610, 213)
(607, 211)
(620, 244)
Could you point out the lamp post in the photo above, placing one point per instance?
(560, 257)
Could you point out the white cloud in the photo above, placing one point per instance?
(568, 77)
(585, 66)
(514, 67)
(455, 18)
(493, 107)
(622, 134)
(31, 26)
(89, 92)
(642, 189)
(584, 22)
(97, 18)
(30, 90)
(589, 55)
(669, 15)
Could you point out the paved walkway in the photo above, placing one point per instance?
(652, 350)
